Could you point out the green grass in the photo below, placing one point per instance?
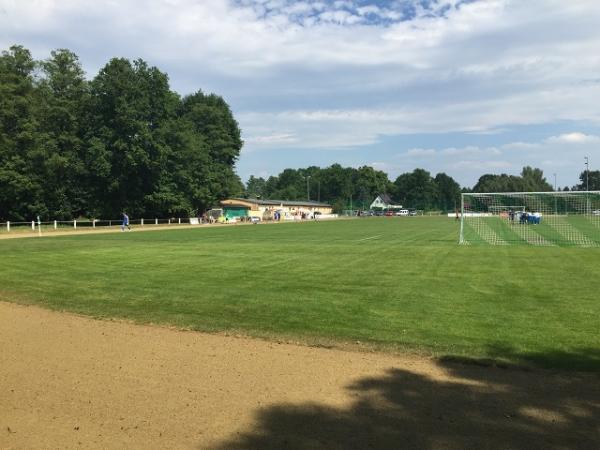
(564, 231)
(391, 283)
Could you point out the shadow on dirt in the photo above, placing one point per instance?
(583, 359)
(473, 407)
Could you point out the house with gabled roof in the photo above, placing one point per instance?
(384, 201)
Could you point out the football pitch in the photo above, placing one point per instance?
(391, 283)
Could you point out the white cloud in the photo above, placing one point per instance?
(521, 146)
(421, 152)
(480, 166)
(574, 138)
(466, 164)
(273, 139)
(348, 74)
(471, 150)
(369, 9)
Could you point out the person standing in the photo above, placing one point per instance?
(125, 222)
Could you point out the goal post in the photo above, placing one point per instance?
(564, 218)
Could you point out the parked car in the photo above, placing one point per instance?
(412, 212)
(378, 213)
(596, 212)
(254, 219)
(389, 213)
(402, 212)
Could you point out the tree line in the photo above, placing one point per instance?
(355, 188)
(122, 141)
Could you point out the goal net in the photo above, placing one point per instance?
(532, 218)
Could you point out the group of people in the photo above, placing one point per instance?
(524, 217)
(206, 218)
(278, 215)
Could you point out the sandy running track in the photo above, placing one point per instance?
(73, 382)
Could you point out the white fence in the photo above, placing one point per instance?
(87, 224)
(34, 225)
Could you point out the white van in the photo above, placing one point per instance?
(402, 212)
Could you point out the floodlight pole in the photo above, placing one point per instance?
(587, 182)
(308, 187)
(587, 173)
(555, 200)
(319, 192)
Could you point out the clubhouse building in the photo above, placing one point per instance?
(240, 208)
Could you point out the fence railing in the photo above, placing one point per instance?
(34, 225)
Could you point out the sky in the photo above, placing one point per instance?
(464, 87)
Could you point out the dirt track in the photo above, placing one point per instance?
(73, 382)
(99, 230)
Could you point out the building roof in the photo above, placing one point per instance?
(254, 201)
(386, 199)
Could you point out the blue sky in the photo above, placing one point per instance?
(455, 86)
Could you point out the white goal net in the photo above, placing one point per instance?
(534, 218)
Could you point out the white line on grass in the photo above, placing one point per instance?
(367, 238)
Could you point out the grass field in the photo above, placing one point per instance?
(565, 231)
(401, 284)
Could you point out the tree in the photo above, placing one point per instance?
(291, 185)
(591, 179)
(63, 93)
(368, 183)
(336, 184)
(416, 189)
(20, 184)
(531, 180)
(124, 114)
(123, 141)
(534, 181)
(211, 118)
(448, 192)
(256, 187)
(498, 183)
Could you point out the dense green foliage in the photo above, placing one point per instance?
(70, 147)
(530, 180)
(589, 179)
(398, 283)
(347, 187)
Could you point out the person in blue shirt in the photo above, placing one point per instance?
(125, 222)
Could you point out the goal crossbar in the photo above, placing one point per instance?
(552, 193)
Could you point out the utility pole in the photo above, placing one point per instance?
(308, 187)
(319, 191)
(587, 173)
(555, 199)
(587, 182)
